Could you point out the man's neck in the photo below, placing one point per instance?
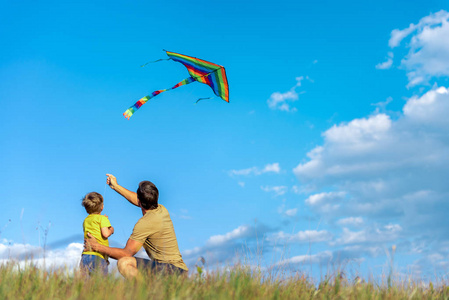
(144, 211)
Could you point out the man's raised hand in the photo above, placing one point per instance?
(111, 181)
(130, 196)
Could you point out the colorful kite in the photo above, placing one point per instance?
(200, 70)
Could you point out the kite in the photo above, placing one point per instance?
(200, 70)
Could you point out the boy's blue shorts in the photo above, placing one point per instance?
(94, 263)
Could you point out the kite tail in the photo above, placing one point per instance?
(130, 111)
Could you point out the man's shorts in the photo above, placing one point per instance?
(146, 264)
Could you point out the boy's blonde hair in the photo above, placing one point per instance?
(92, 202)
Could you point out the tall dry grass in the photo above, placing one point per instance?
(238, 282)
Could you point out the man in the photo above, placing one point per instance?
(154, 231)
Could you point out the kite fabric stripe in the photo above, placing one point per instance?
(203, 71)
(194, 64)
(200, 70)
(130, 111)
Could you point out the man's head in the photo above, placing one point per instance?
(148, 195)
(93, 203)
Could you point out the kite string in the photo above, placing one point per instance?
(150, 62)
(203, 99)
(104, 191)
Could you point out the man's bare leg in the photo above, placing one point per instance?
(127, 266)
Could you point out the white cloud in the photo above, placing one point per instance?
(244, 172)
(356, 138)
(272, 168)
(359, 250)
(291, 212)
(351, 221)
(324, 198)
(430, 109)
(307, 236)
(326, 202)
(240, 232)
(361, 152)
(433, 19)
(364, 146)
(230, 247)
(428, 54)
(296, 189)
(390, 174)
(387, 233)
(359, 133)
(277, 190)
(381, 107)
(398, 35)
(66, 258)
(269, 168)
(386, 64)
(282, 101)
(319, 258)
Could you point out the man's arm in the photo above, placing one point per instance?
(130, 196)
(131, 248)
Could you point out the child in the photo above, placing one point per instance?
(99, 227)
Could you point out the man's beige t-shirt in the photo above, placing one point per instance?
(155, 231)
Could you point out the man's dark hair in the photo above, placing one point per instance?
(148, 195)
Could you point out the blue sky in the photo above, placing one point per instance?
(332, 149)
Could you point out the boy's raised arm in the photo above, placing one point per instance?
(130, 196)
(107, 231)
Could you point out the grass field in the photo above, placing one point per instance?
(237, 282)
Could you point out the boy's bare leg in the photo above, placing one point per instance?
(127, 266)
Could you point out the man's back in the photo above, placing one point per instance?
(155, 231)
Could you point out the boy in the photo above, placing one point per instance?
(100, 228)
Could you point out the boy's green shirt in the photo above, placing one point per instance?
(93, 224)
